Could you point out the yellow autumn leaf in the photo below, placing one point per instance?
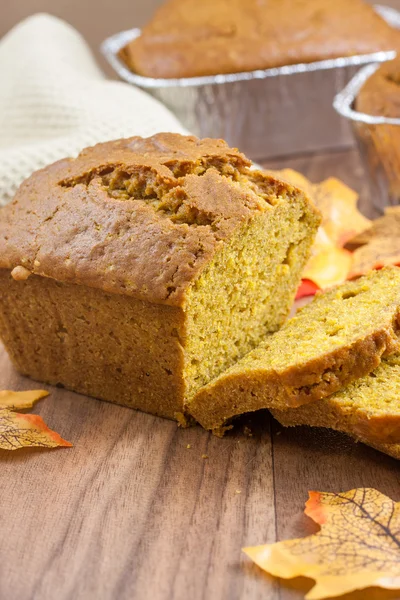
(358, 545)
(328, 264)
(20, 400)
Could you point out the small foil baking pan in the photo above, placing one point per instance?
(378, 139)
(266, 113)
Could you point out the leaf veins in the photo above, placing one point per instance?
(358, 545)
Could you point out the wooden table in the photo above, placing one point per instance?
(131, 511)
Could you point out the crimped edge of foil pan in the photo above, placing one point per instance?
(344, 100)
(111, 47)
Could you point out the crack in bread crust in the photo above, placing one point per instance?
(139, 217)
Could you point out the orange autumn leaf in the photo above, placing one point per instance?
(358, 545)
(20, 400)
(20, 431)
(377, 246)
(329, 263)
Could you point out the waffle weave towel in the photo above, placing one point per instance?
(54, 101)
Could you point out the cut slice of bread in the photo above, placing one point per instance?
(336, 339)
(392, 450)
(367, 409)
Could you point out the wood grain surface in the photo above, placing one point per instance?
(132, 512)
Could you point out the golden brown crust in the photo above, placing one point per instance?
(367, 409)
(392, 450)
(380, 95)
(382, 433)
(377, 429)
(188, 38)
(139, 217)
(109, 346)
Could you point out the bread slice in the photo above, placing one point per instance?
(368, 409)
(336, 339)
(392, 450)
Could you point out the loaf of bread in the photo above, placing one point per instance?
(337, 338)
(380, 97)
(380, 94)
(188, 38)
(392, 450)
(368, 408)
(143, 268)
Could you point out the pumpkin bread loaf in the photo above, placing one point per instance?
(188, 38)
(380, 94)
(142, 269)
(368, 408)
(380, 97)
(337, 338)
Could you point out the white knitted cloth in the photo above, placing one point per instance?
(54, 101)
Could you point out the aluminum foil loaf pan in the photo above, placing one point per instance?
(378, 140)
(266, 113)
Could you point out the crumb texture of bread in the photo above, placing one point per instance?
(368, 408)
(187, 38)
(177, 255)
(337, 338)
(247, 290)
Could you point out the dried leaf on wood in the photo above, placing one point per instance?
(358, 545)
(378, 246)
(21, 430)
(20, 400)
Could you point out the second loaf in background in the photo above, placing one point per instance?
(188, 38)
